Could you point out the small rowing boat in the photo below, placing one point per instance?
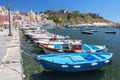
(75, 61)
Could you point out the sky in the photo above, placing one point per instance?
(109, 9)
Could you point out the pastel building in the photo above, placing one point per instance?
(23, 18)
(4, 18)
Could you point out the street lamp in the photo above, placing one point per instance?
(8, 7)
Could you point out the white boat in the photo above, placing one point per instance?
(47, 36)
(70, 46)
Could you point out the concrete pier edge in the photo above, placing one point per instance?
(11, 66)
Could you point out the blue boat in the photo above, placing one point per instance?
(73, 62)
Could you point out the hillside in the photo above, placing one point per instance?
(73, 17)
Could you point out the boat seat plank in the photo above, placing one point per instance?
(97, 57)
(94, 47)
(77, 58)
(100, 56)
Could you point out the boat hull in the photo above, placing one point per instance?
(48, 50)
(72, 68)
(51, 50)
(86, 32)
(108, 32)
(75, 62)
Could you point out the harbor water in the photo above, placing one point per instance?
(34, 71)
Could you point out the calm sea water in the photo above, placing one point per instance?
(34, 70)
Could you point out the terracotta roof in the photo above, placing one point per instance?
(24, 13)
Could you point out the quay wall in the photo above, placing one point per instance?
(11, 63)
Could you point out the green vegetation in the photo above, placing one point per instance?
(55, 19)
(74, 17)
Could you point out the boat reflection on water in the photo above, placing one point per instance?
(55, 75)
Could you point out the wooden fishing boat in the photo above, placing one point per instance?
(48, 36)
(75, 61)
(70, 46)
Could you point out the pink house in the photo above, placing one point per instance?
(4, 20)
